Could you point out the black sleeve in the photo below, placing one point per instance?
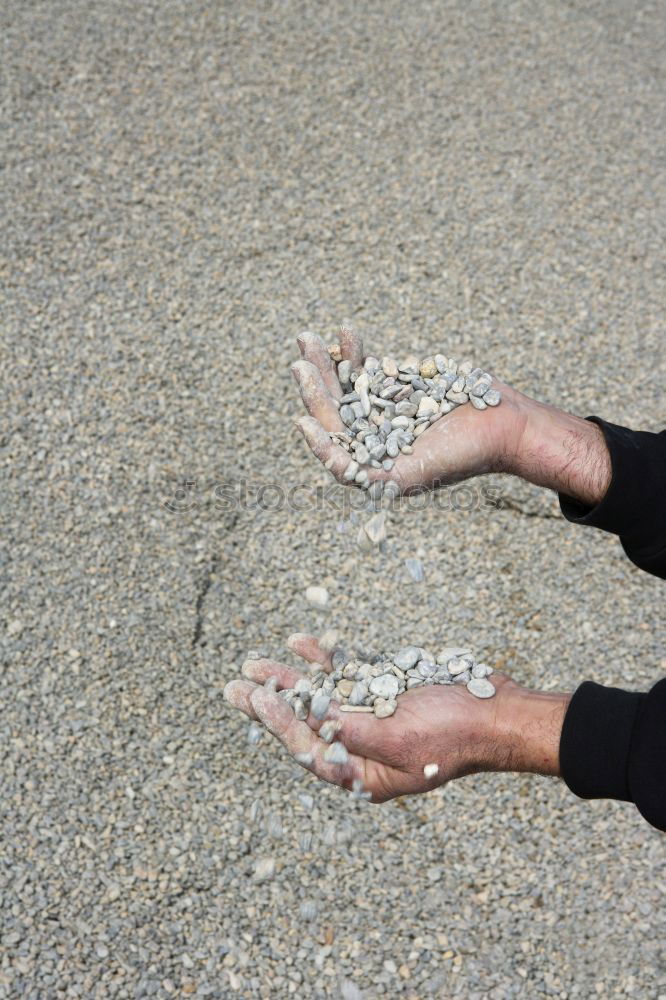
(613, 746)
(635, 504)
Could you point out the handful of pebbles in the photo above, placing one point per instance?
(387, 405)
(373, 683)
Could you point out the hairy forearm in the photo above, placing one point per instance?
(558, 450)
(527, 731)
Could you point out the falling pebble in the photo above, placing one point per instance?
(328, 640)
(375, 528)
(264, 869)
(254, 734)
(349, 990)
(336, 754)
(415, 569)
(430, 770)
(305, 841)
(274, 826)
(358, 790)
(329, 837)
(308, 909)
(317, 596)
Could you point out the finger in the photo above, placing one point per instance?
(238, 693)
(316, 397)
(260, 670)
(298, 738)
(314, 350)
(361, 732)
(308, 648)
(330, 454)
(351, 345)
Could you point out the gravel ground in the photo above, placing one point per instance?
(185, 187)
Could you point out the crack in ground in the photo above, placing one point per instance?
(508, 503)
(206, 583)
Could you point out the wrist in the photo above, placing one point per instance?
(528, 727)
(555, 449)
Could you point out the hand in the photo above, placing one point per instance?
(465, 443)
(537, 442)
(517, 730)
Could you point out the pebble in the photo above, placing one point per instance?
(328, 730)
(384, 397)
(430, 770)
(367, 682)
(407, 657)
(264, 869)
(415, 569)
(337, 753)
(317, 596)
(308, 909)
(319, 704)
(383, 707)
(385, 686)
(480, 687)
(254, 734)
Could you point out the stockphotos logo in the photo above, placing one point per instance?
(303, 498)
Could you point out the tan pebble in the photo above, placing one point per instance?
(383, 708)
(389, 367)
(404, 971)
(335, 352)
(356, 708)
(428, 368)
(345, 687)
(328, 640)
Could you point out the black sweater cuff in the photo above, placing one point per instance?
(634, 506)
(613, 746)
(595, 741)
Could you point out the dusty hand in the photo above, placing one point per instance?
(532, 440)
(447, 726)
(466, 442)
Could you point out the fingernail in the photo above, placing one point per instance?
(247, 666)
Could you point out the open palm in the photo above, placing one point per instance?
(464, 443)
(443, 725)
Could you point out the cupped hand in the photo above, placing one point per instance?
(442, 725)
(464, 443)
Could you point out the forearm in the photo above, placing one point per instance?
(527, 731)
(557, 450)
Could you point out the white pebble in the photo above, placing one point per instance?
(317, 596)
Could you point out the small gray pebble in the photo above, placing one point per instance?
(415, 570)
(337, 753)
(480, 687)
(407, 657)
(320, 702)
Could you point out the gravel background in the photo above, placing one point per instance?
(185, 187)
